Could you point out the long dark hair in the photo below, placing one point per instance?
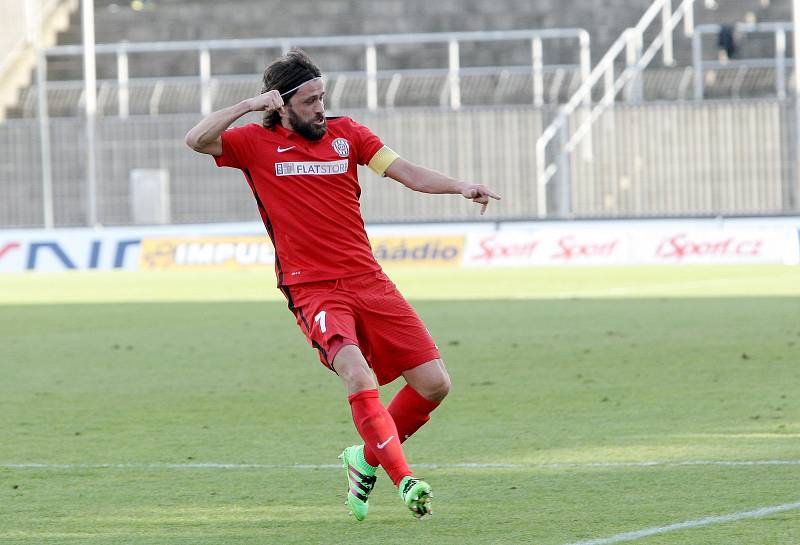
(285, 73)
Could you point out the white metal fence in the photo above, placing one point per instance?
(703, 158)
(530, 41)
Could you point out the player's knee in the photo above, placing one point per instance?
(436, 388)
(430, 380)
(358, 379)
(440, 388)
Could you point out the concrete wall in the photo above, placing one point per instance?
(730, 158)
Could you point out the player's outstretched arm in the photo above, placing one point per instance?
(425, 180)
(205, 137)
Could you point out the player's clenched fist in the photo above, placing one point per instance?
(269, 101)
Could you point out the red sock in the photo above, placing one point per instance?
(410, 411)
(377, 429)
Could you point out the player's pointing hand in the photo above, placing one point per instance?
(480, 194)
(269, 101)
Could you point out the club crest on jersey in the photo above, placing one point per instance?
(342, 147)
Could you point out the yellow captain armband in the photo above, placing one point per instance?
(381, 160)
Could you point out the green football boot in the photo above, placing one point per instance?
(417, 496)
(360, 480)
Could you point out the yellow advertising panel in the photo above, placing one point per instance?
(254, 252)
(419, 250)
(216, 252)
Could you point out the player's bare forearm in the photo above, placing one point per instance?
(425, 180)
(206, 136)
(422, 179)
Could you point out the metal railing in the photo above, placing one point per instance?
(636, 59)
(780, 61)
(370, 43)
(203, 50)
(396, 88)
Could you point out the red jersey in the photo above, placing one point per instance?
(308, 195)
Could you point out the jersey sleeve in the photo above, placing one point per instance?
(234, 148)
(371, 151)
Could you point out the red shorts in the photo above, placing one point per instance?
(367, 311)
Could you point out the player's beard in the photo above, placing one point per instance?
(310, 130)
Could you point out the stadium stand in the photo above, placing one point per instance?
(170, 20)
(665, 159)
(167, 83)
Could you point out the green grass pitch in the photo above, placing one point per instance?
(615, 400)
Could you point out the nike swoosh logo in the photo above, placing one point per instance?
(281, 150)
(381, 445)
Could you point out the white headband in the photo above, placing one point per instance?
(293, 89)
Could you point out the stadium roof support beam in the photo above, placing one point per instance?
(668, 55)
(205, 81)
(537, 58)
(795, 197)
(372, 77)
(123, 91)
(35, 34)
(90, 86)
(633, 53)
(454, 66)
(780, 63)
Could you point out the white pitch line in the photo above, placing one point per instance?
(611, 465)
(733, 517)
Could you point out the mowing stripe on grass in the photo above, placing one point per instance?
(733, 517)
(214, 465)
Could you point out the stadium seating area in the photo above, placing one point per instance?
(182, 95)
(647, 159)
(209, 19)
(167, 83)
